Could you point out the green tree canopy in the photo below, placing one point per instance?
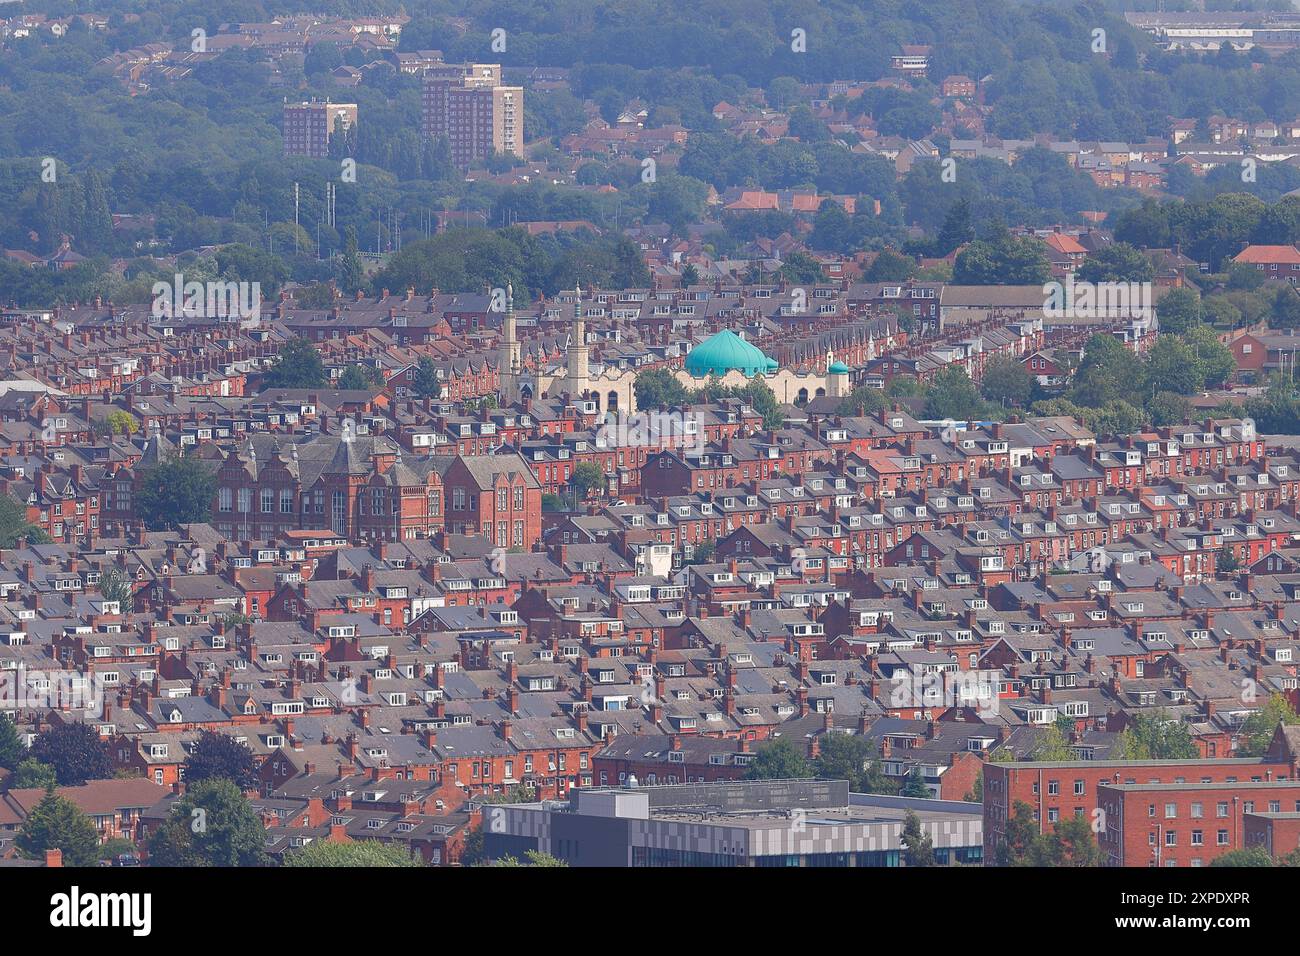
(1255, 856)
(324, 853)
(657, 388)
(1006, 381)
(57, 823)
(587, 476)
(1257, 730)
(358, 377)
(778, 759)
(31, 774)
(12, 749)
(299, 365)
(216, 755)
(211, 825)
(851, 757)
(176, 491)
(918, 846)
(1117, 262)
(14, 526)
(1178, 310)
(1002, 260)
(1071, 843)
(75, 751)
(953, 395)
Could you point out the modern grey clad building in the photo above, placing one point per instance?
(747, 823)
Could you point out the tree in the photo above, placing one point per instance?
(1051, 744)
(14, 526)
(1244, 275)
(324, 853)
(1168, 408)
(1257, 730)
(956, 230)
(56, 823)
(1071, 843)
(799, 267)
(31, 774)
(1109, 371)
(12, 750)
(657, 388)
(587, 476)
(115, 585)
(778, 759)
(1002, 260)
(1214, 360)
(220, 755)
(121, 423)
(1286, 308)
(915, 786)
(1160, 737)
(1116, 418)
(211, 825)
(890, 266)
(704, 552)
(426, 382)
(1179, 310)
(534, 858)
(1255, 856)
(953, 395)
(1006, 381)
(677, 200)
(1016, 847)
(176, 491)
(355, 377)
(863, 400)
(1117, 262)
(299, 365)
(851, 757)
(75, 751)
(114, 847)
(918, 847)
(1171, 366)
(1218, 311)
(763, 400)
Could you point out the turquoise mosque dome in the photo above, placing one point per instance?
(726, 352)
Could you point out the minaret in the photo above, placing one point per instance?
(509, 343)
(578, 353)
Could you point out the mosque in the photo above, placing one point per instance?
(726, 357)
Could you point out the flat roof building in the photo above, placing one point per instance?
(767, 823)
(309, 126)
(479, 115)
